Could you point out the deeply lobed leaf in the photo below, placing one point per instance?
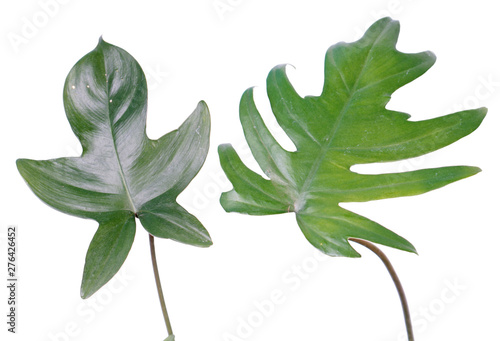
(347, 124)
(121, 174)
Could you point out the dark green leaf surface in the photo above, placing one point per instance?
(346, 125)
(121, 174)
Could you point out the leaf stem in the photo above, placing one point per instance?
(395, 279)
(158, 285)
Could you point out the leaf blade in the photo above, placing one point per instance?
(347, 124)
(265, 199)
(107, 252)
(174, 222)
(329, 228)
(158, 171)
(58, 183)
(121, 170)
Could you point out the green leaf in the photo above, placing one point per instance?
(121, 174)
(347, 124)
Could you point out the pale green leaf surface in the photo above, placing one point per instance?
(347, 124)
(121, 174)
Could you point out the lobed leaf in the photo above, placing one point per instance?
(347, 124)
(121, 174)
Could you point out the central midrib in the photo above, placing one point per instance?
(120, 168)
(324, 148)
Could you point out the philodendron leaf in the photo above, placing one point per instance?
(347, 124)
(121, 174)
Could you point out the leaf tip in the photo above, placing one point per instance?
(204, 240)
(202, 108)
(279, 71)
(402, 244)
(472, 118)
(383, 31)
(86, 288)
(387, 20)
(481, 112)
(474, 170)
(20, 163)
(207, 243)
(409, 248)
(431, 57)
(84, 294)
(101, 40)
(223, 200)
(282, 67)
(203, 105)
(23, 166)
(224, 147)
(385, 23)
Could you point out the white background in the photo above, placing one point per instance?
(192, 51)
